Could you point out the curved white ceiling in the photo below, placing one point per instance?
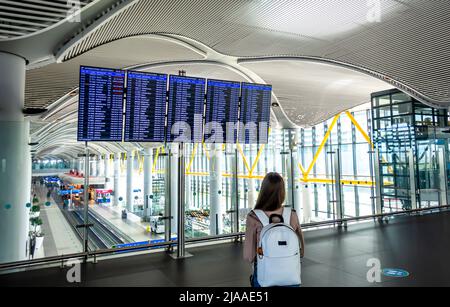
(320, 56)
(20, 18)
(47, 84)
(198, 69)
(312, 92)
(408, 43)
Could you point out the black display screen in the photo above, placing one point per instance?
(145, 115)
(100, 109)
(185, 110)
(254, 116)
(222, 110)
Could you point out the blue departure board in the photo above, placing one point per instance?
(222, 110)
(145, 115)
(100, 109)
(254, 116)
(185, 111)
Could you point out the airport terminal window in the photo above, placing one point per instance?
(311, 189)
(409, 147)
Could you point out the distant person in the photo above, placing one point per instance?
(274, 240)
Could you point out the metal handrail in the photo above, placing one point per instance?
(17, 264)
(374, 216)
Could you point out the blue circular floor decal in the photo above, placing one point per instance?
(398, 273)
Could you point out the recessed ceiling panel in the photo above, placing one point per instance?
(311, 92)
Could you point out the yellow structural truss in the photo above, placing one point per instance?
(306, 173)
(249, 172)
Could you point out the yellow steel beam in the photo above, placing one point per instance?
(302, 169)
(319, 150)
(155, 160)
(247, 166)
(194, 151)
(359, 128)
(258, 156)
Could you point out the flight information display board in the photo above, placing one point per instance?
(145, 115)
(222, 110)
(255, 113)
(100, 109)
(185, 111)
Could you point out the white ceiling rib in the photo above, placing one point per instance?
(409, 45)
(47, 84)
(20, 18)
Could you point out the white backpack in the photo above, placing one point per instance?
(278, 253)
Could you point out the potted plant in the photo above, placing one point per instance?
(36, 236)
(35, 210)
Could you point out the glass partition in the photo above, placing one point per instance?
(132, 195)
(410, 138)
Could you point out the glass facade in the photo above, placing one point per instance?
(410, 138)
(330, 172)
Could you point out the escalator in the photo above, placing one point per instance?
(101, 235)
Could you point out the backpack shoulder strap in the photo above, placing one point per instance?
(263, 218)
(287, 215)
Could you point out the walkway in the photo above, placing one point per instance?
(133, 228)
(59, 236)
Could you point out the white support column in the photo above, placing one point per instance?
(148, 189)
(15, 160)
(116, 178)
(251, 194)
(290, 189)
(107, 172)
(101, 166)
(215, 191)
(174, 187)
(189, 193)
(251, 201)
(130, 168)
(80, 166)
(94, 167)
(297, 174)
(306, 204)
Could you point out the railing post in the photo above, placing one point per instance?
(236, 190)
(378, 183)
(443, 179)
(181, 253)
(86, 198)
(412, 179)
(338, 186)
(167, 193)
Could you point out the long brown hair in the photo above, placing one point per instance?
(272, 194)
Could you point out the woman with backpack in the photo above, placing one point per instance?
(274, 240)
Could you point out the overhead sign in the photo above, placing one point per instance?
(145, 116)
(66, 192)
(138, 244)
(181, 113)
(100, 107)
